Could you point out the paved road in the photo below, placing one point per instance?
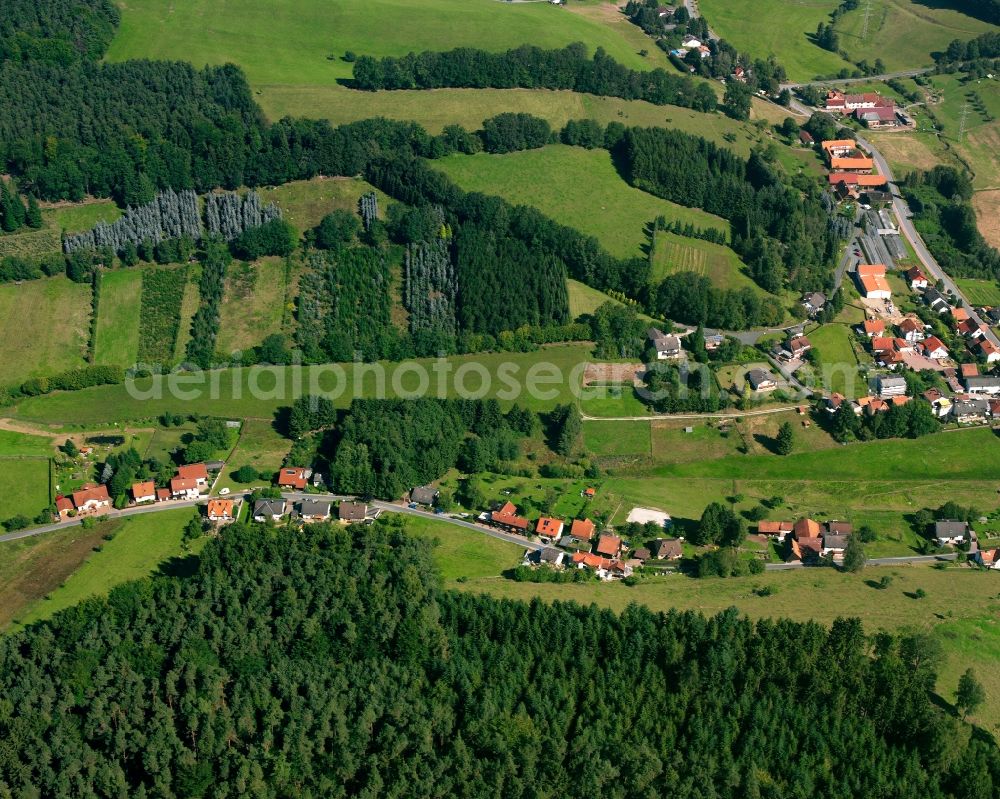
(114, 514)
(672, 416)
(903, 214)
(694, 13)
(900, 561)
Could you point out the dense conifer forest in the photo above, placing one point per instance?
(329, 662)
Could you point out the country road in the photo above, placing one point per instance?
(909, 73)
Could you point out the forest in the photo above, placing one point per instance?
(329, 662)
(530, 67)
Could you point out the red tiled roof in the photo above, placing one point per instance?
(145, 489)
(609, 545)
(591, 561)
(773, 528)
(90, 493)
(932, 343)
(874, 326)
(970, 370)
(163, 493)
(509, 520)
(508, 509)
(909, 325)
(292, 476)
(582, 529)
(806, 528)
(64, 504)
(178, 484)
(548, 526)
(193, 471)
(220, 507)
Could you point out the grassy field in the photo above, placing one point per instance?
(775, 27)
(30, 243)
(305, 46)
(18, 444)
(904, 33)
(253, 304)
(260, 446)
(465, 554)
(987, 205)
(46, 325)
(980, 292)
(139, 545)
(720, 264)
(24, 486)
(231, 393)
(77, 217)
(576, 187)
(617, 439)
(585, 300)
(189, 305)
(118, 318)
(833, 342)
(304, 203)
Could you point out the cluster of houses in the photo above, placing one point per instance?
(851, 170)
(312, 511)
(689, 44)
(871, 109)
(807, 539)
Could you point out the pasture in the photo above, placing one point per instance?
(260, 446)
(24, 486)
(139, 544)
(774, 27)
(118, 318)
(466, 554)
(577, 187)
(833, 343)
(987, 205)
(77, 217)
(28, 243)
(980, 292)
(304, 203)
(584, 300)
(306, 45)
(904, 33)
(718, 263)
(45, 324)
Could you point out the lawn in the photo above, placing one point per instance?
(774, 27)
(718, 263)
(304, 203)
(17, 444)
(617, 439)
(77, 217)
(118, 318)
(980, 292)
(260, 446)
(24, 486)
(576, 187)
(539, 380)
(139, 545)
(253, 304)
(904, 33)
(46, 324)
(959, 609)
(584, 300)
(305, 45)
(833, 343)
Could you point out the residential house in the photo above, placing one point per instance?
(988, 558)
(918, 281)
(959, 314)
(642, 554)
(64, 507)
(934, 348)
(834, 544)
(813, 302)
(549, 528)
(589, 493)
(970, 411)
(983, 384)
(609, 545)
(601, 566)
(971, 329)
(838, 148)
(269, 510)
(91, 498)
(194, 471)
(794, 348)
(667, 549)
(350, 511)
(424, 495)
(549, 557)
(833, 403)
(877, 118)
(949, 531)
(761, 380)
(667, 348)
(315, 510)
(806, 540)
(162, 494)
(690, 42)
(912, 329)
(184, 488)
(839, 528)
(936, 300)
(872, 283)
(890, 386)
(987, 350)
(220, 510)
(805, 137)
(583, 529)
(507, 519)
(714, 341)
(873, 327)
(294, 477)
(144, 492)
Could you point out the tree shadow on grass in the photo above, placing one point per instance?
(182, 566)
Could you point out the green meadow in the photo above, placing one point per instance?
(24, 486)
(305, 44)
(118, 318)
(576, 187)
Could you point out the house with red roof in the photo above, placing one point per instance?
(548, 527)
(934, 348)
(194, 471)
(609, 545)
(873, 327)
(91, 498)
(64, 507)
(144, 492)
(917, 279)
(184, 488)
(292, 477)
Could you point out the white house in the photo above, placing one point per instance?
(950, 532)
(934, 348)
(269, 509)
(668, 348)
(91, 498)
(890, 386)
(184, 488)
(144, 492)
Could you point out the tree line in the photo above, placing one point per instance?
(531, 67)
(330, 662)
(56, 31)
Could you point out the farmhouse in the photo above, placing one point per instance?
(777, 529)
(144, 492)
(91, 497)
(852, 179)
(839, 148)
(220, 510)
(877, 118)
(761, 380)
(846, 103)
(858, 164)
(194, 471)
(667, 347)
(184, 488)
(293, 477)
